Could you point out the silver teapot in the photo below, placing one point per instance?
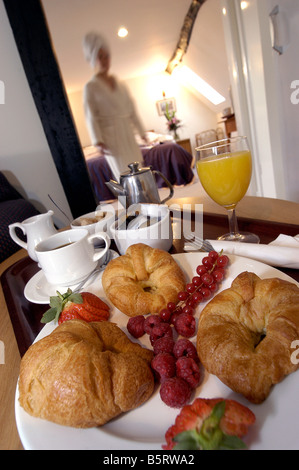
(138, 185)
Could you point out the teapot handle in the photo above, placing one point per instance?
(168, 184)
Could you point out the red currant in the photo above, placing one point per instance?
(213, 255)
(206, 293)
(190, 288)
(188, 310)
(190, 302)
(171, 306)
(218, 274)
(165, 314)
(201, 270)
(222, 261)
(196, 280)
(174, 317)
(207, 279)
(197, 297)
(207, 262)
(183, 295)
(212, 287)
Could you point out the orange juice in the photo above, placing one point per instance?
(226, 177)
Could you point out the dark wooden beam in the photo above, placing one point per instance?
(43, 74)
(185, 35)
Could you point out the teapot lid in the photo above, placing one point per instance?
(135, 170)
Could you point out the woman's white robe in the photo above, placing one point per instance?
(111, 118)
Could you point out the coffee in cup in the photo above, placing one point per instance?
(67, 257)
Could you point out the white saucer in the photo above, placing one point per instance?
(38, 290)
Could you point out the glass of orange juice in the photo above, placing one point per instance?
(224, 169)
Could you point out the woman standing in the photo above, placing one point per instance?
(109, 110)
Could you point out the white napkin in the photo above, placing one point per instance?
(282, 252)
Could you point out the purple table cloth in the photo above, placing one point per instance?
(100, 172)
(172, 161)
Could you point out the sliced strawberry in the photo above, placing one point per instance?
(93, 302)
(237, 419)
(209, 424)
(68, 314)
(185, 420)
(92, 308)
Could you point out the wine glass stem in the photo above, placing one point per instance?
(232, 221)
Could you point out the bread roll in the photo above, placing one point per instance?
(245, 334)
(84, 374)
(143, 280)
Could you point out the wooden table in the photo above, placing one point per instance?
(266, 217)
(9, 371)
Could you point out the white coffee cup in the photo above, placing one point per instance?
(67, 257)
(157, 235)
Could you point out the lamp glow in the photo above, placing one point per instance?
(122, 32)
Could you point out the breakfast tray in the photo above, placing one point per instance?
(25, 316)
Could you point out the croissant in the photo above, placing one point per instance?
(245, 334)
(143, 280)
(84, 374)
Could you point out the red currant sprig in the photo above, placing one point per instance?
(208, 276)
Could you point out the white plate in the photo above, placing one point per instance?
(277, 418)
(38, 290)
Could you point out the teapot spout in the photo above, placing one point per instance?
(115, 188)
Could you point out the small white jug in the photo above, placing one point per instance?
(36, 228)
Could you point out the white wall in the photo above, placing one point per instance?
(25, 157)
(261, 83)
(145, 91)
(287, 76)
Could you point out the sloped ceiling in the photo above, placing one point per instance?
(154, 27)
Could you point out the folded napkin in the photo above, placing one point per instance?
(282, 252)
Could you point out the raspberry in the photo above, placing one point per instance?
(187, 369)
(185, 325)
(164, 365)
(150, 322)
(175, 392)
(184, 347)
(159, 331)
(135, 326)
(164, 344)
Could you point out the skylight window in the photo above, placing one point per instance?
(187, 76)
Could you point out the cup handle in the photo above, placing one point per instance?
(14, 236)
(106, 238)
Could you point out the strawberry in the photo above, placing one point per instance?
(92, 308)
(85, 306)
(210, 424)
(68, 314)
